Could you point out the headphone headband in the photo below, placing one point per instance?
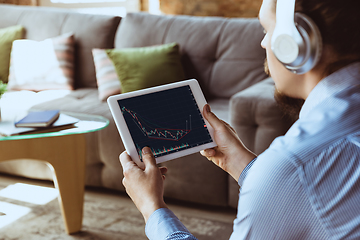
(285, 20)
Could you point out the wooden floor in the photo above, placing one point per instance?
(199, 219)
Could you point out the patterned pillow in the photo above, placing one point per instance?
(106, 76)
(43, 65)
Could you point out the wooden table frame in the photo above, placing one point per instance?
(66, 156)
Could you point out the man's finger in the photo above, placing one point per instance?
(148, 157)
(210, 152)
(163, 170)
(128, 165)
(214, 121)
(125, 159)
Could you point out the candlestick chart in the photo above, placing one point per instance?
(166, 121)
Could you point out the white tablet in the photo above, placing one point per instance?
(167, 118)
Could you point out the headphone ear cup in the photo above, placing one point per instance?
(311, 48)
(286, 49)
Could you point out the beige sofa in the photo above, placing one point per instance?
(224, 55)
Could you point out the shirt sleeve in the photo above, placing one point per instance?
(245, 171)
(164, 225)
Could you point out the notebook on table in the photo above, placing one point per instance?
(7, 128)
(39, 119)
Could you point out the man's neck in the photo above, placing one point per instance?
(313, 77)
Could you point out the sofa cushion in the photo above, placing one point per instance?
(224, 55)
(103, 147)
(42, 65)
(145, 67)
(220, 106)
(256, 116)
(7, 36)
(107, 80)
(90, 31)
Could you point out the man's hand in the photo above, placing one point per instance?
(144, 186)
(231, 155)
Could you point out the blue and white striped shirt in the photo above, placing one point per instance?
(306, 185)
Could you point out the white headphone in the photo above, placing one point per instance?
(296, 40)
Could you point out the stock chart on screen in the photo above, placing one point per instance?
(166, 121)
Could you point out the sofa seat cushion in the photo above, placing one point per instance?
(103, 167)
(104, 147)
(83, 100)
(220, 106)
(15, 104)
(194, 178)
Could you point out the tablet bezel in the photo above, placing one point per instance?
(125, 132)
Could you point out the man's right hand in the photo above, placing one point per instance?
(230, 154)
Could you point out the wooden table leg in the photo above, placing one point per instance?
(66, 157)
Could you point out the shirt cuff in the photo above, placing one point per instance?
(245, 172)
(163, 223)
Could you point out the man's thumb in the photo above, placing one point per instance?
(148, 157)
(214, 121)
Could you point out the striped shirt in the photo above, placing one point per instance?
(306, 185)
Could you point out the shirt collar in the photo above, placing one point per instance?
(332, 84)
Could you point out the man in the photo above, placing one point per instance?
(306, 185)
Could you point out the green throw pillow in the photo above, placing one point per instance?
(139, 68)
(7, 36)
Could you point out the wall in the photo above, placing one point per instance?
(225, 8)
(144, 5)
(117, 8)
(20, 2)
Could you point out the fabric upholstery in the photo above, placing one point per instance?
(105, 147)
(144, 67)
(7, 36)
(256, 117)
(258, 120)
(220, 106)
(90, 31)
(224, 55)
(194, 178)
(42, 65)
(107, 80)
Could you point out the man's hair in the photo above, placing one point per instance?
(339, 25)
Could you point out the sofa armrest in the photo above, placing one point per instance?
(256, 117)
(258, 120)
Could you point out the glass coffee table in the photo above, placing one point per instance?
(64, 151)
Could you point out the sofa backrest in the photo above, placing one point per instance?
(91, 31)
(223, 54)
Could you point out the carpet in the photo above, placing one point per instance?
(108, 216)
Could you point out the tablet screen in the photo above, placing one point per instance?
(166, 121)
